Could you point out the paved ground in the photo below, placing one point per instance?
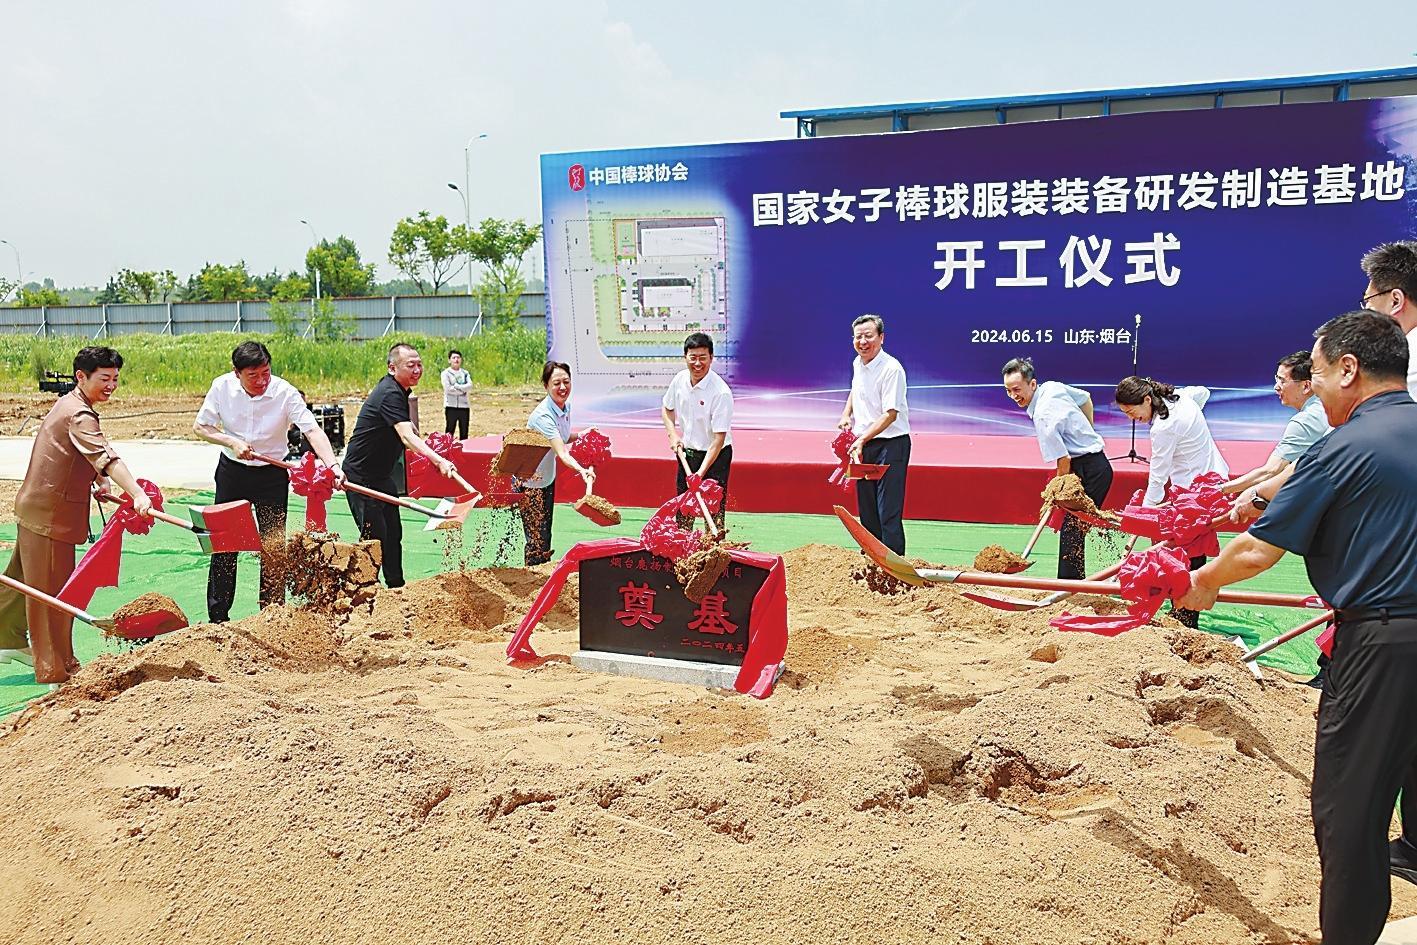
(185, 464)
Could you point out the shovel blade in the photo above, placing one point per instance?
(145, 626)
(230, 526)
(884, 558)
(452, 513)
(1000, 602)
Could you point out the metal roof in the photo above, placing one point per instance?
(1340, 79)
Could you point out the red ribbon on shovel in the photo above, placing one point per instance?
(1147, 579)
(316, 482)
(99, 565)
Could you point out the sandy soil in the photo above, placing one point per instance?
(928, 771)
(130, 415)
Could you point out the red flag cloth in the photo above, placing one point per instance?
(316, 482)
(591, 448)
(1147, 579)
(442, 444)
(99, 565)
(767, 635)
(1185, 519)
(841, 446)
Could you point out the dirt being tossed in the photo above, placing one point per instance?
(332, 576)
(929, 770)
(522, 451)
(700, 570)
(1067, 492)
(996, 559)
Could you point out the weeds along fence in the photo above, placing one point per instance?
(442, 316)
(187, 363)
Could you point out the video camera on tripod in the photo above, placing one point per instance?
(330, 417)
(56, 383)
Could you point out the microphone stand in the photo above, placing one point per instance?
(1132, 455)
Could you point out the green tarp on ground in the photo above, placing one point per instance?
(167, 560)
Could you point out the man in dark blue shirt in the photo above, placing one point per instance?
(1350, 509)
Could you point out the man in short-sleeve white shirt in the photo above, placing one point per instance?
(1392, 291)
(697, 411)
(877, 412)
(247, 412)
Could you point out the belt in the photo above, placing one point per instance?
(1361, 614)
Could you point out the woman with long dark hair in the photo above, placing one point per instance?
(552, 419)
(1182, 449)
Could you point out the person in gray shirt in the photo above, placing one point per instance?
(1293, 384)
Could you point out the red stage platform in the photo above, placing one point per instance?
(952, 478)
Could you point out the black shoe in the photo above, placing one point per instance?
(1402, 859)
(1318, 681)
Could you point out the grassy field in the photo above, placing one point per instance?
(187, 363)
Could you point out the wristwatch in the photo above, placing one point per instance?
(1259, 503)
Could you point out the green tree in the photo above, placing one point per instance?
(219, 283)
(342, 275)
(33, 296)
(500, 245)
(285, 306)
(427, 250)
(6, 287)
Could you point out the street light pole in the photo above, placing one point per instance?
(19, 276)
(467, 194)
(316, 237)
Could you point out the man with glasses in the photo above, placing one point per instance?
(1392, 291)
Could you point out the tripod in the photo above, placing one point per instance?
(1132, 455)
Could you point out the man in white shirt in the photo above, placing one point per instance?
(1392, 290)
(248, 411)
(700, 404)
(1062, 421)
(457, 384)
(877, 412)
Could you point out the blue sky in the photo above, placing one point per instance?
(163, 135)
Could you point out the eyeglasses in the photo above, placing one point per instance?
(1369, 298)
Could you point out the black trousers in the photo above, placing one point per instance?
(456, 418)
(1190, 618)
(267, 488)
(537, 509)
(718, 472)
(882, 502)
(1364, 750)
(380, 522)
(1096, 474)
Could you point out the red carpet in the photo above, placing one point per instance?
(952, 478)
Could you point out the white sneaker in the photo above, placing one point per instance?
(17, 656)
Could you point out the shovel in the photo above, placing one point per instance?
(141, 626)
(381, 496)
(230, 526)
(900, 568)
(1004, 602)
(594, 512)
(454, 511)
(1016, 567)
(703, 504)
(1288, 635)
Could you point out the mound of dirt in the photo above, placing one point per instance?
(928, 770)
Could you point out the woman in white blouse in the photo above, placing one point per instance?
(1182, 449)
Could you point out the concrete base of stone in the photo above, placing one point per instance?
(711, 675)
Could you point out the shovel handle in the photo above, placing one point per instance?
(1042, 523)
(703, 505)
(1288, 635)
(160, 516)
(50, 601)
(391, 499)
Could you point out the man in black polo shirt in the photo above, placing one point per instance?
(1350, 509)
(380, 435)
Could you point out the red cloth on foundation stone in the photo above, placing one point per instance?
(316, 482)
(662, 534)
(767, 636)
(1147, 579)
(99, 565)
(591, 448)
